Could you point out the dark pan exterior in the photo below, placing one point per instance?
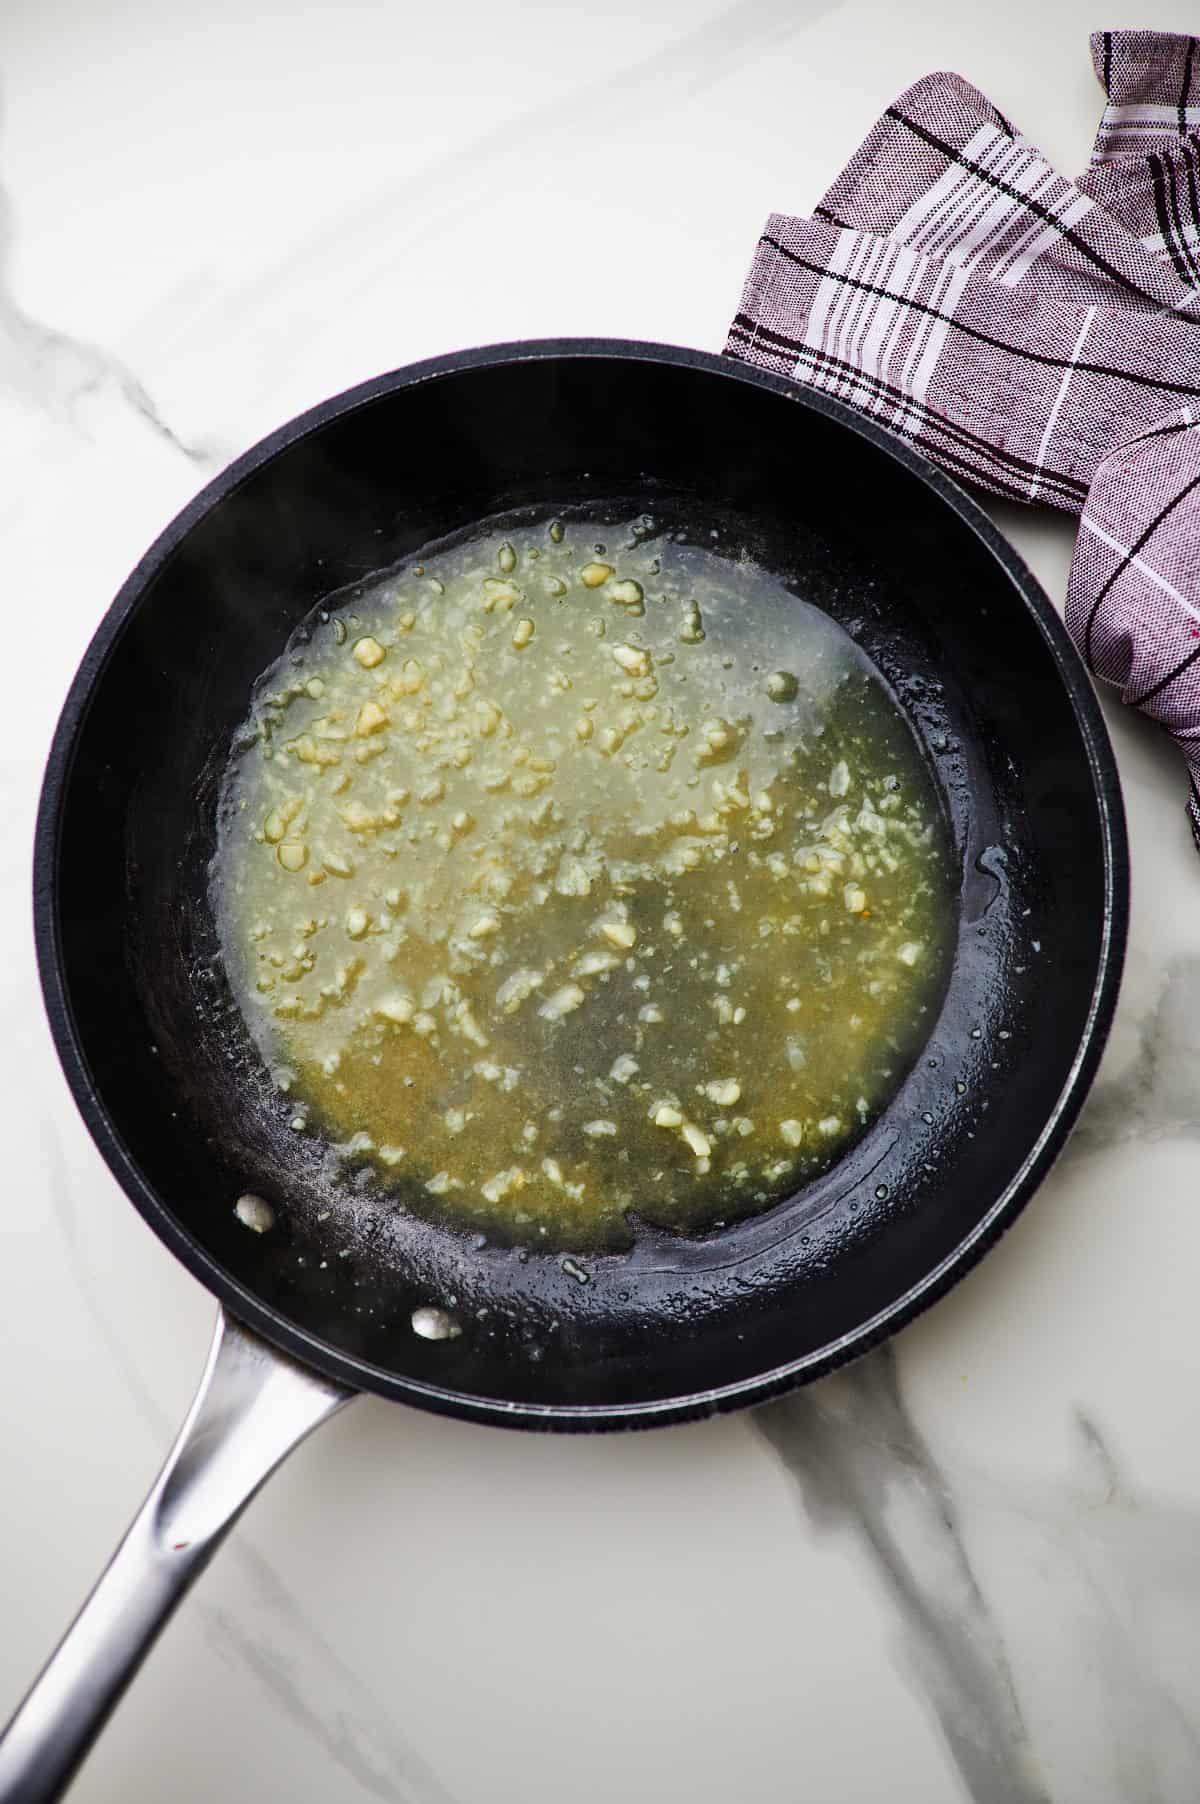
(164, 1073)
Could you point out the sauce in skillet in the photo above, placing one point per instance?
(561, 878)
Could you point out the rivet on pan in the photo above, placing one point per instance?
(254, 1212)
(435, 1324)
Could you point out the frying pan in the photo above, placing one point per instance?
(163, 1071)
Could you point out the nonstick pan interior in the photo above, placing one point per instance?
(167, 1077)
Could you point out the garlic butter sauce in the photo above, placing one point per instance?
(578, 871)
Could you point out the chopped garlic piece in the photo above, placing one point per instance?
(699, 1142)
(632, 658)
(498, 594)
(435, 1324)
(515, 989)
(593, 963)
(563, 1002)
(371, 719)
(502, 1182)
(280, 819)
(358, 818)
(397, 1007)
(573, 878)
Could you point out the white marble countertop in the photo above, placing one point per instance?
(967, 1568)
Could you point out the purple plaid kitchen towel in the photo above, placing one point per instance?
(1036, 337)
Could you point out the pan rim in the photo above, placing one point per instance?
(360, 1374)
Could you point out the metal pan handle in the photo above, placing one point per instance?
(253, 1406)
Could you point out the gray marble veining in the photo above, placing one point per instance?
(1157, 1096)
(695, 60)
(1125, 1575)
(1136, 1560)
(862, 1467)
(490, 167)
(316, 1691)
(53, 371)
(270, 1636)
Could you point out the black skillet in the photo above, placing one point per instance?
(169, 1085)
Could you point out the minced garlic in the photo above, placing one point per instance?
(535, 847)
